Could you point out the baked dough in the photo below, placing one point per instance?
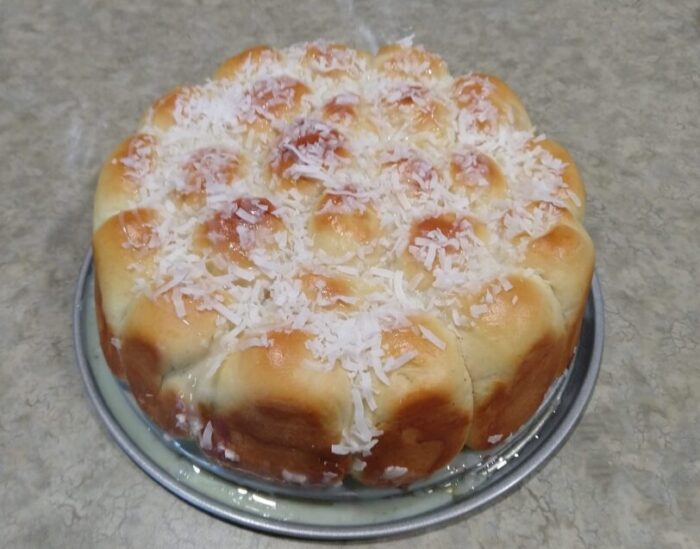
(325, 263)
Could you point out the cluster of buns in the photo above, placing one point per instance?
(325, 263)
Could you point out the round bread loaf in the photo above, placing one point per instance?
(325, 263)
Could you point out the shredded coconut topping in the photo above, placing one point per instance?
(247, 265)
(393, 472)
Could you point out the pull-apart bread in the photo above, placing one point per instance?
(325, 263)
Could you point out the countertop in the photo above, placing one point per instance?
(616, 82)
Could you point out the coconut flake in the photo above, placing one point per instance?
(494, 439)
(230, 455)
(478, 310)
(393, 472)
(393, 363)
(251, 342)
(205, 439)
(431, 337)
(406, 41)
(297, 478)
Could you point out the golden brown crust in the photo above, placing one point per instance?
(107, 338)
(337, 230)
(447, 224)
(122, 241)
(565, 258)
(424, 412)
(506, 404)
(414, 106)
(331, 291)
(278, 97)
(250, 57)
(422, 435)
(155, 341)
(491, 102)
(570, 176)
(333, 60)
(162, 112)
(304, 135)
(278, 412)
(144, 364)
(209, 166)
(413, 171)
(119, 179)
(222, 232)
(265, 439)
(478, 175)
(141, 338)
(513, 353)
(409, 62)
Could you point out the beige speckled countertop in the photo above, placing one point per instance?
(618, 83)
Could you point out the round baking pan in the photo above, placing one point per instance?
(468, 484)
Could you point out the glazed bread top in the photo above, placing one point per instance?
(354, 214)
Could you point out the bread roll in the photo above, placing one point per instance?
(278, 412)
(425, 410)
